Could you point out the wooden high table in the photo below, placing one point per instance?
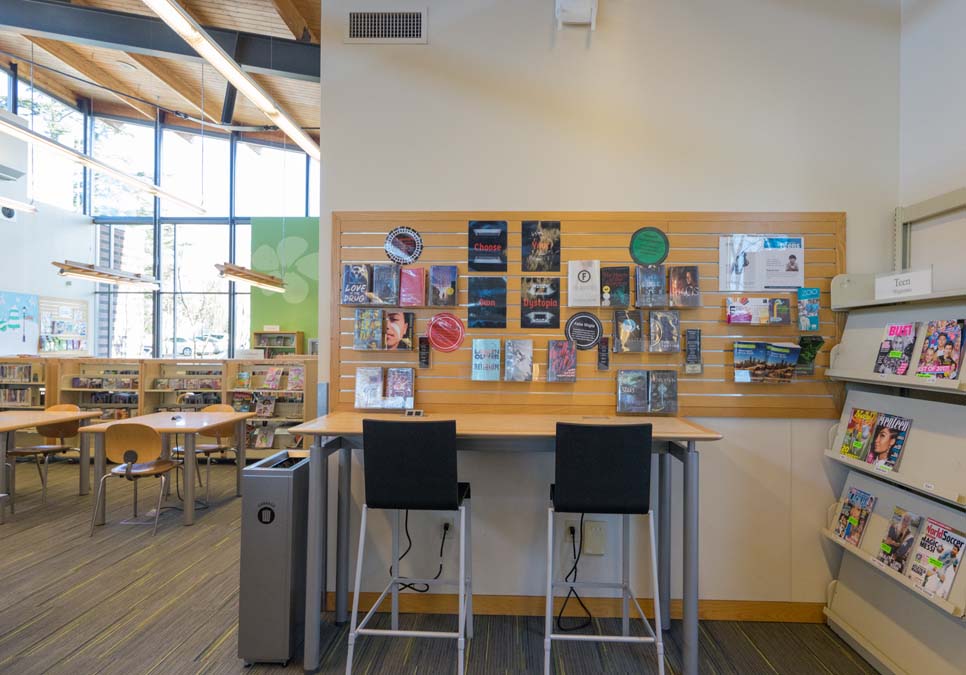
(342, 431)
(12, 421)
(191, 424)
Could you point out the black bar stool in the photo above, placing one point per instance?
(412, 466)
(604, 469)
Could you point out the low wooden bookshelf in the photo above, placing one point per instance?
(27, 383)
(110, 385)
(182, 384)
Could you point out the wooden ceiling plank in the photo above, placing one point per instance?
(296, 21)
(67, 55)
(184, 89)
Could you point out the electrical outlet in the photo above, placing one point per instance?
(595, 537)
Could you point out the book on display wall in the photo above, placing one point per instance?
(399, 330)
(941, 349)
(562, 361)
(651, 286)
(898, 541)
(412, 286)
(368, 393)
(629, 331)
(367, 330)
(685, 290)
(400, 385)
(385, 284)
(486, 359)
(936, 559)
(443, 286)
(854, 515)
(356, 284)
(518, 363)
(662, 395)
(780, 361)
(895, 350)
(665, 331)
(583, 283)
(615, 286)
(632, 392)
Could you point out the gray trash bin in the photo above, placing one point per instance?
(271, 602)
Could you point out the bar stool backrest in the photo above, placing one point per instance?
(53, 433)
(119, 438)
(603, 468)
(410, 465)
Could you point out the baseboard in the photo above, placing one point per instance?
(533, 605)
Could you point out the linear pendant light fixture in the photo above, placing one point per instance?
(252, 278)
(103, 275)
(32, 137)
(17, 205)
(191, 32)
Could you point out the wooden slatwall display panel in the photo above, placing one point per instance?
(694, 239)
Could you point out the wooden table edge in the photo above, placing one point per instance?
(104, 426)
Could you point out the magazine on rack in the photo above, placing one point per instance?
(897, 543)
(895, 350)
(888, 441)
(858, 435)
(940, 354)
(854, 515)
(936, 559)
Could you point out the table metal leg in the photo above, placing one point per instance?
(240, 441)
(342, 537)
(664, 536)
(691, 505)
(85, 464)
(190, 466)
(316, 553)
(4, 440)
(100, 468)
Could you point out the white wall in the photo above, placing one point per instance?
(698, 105)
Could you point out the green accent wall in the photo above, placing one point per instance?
(295, 258)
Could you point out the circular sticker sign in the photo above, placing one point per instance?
(403, 245)
(445, 332)
(649, 246)
(584, 330)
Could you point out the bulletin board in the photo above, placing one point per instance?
(694, 240)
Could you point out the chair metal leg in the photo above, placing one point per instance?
(135, 481)
(548, 613)
(207, 479)
(353, 622)
(394, 615)
(625, 574)
(656, 592)
(43, 479)
(100, 491)
(469, 569)
(12, 484)
(198, 473)
(461, 629)
(157, 511)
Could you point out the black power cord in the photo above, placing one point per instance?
(573, 591)
(420, 588)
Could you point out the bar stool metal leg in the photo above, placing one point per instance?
(625, 574)
(548, 613)
(461, 640)
(469, 569)
(658, 608)
(355, 597)
(395, 570)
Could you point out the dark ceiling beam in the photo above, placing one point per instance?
(150, 36)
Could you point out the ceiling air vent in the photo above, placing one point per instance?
(386, 27)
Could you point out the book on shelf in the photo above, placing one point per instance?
(487, 302)
(385, 284)
(939, 358)
(662, 392)
(540, 302)
(888, 441)
(443, 286)
(400, 327)
(296, 378)
(583, 283)
(356, 280)
(615, 286)
(518, 364)
(651, 286)
(412, 286)
(367, 330)
(895, 350)
(264, 437)
(273, 377)
(400, 387)
(541, 246)
(936, 559)
(264, 406)
(899, 538)
(858, 434)
(665, 330)
(684, 287)
(486, 245)
(562, 361)
(162, 383)
(808, 307)
(632, 392)
(629, 331)
(16, 372)
(243, 380)
(368, 393)
(486, 359)
(854, 515)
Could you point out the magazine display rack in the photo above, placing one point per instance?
(880, 611)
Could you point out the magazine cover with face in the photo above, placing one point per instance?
(939, 358)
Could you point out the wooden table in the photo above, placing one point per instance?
(674, 437)
(167, 424)
(12, 421)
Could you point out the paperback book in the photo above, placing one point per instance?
(631, 392)
(355, 284)
(888, 441)
(895, 350)
(583, 283)
(854, 515)
(296, 378)
(399, 329)
(858, 434)
(243, 380)
(808, 306)
(684, 286)
(780, 360)
(615, 286)
(518, 364)
(562, 361)
(264, 437)
(242, 401)
(665, 331)
(400, 384)
(442, 285)
(486, 359)
(651, 286)
(746, 310)
(273, 377)
(750, 361)
(897, 543)
(487, 245)
(540, 302)
(662, 392)
(629, 331)
(264, 406)
(412, 286)
(936, 559)
(939, 358)
(368, 394)
(487, 302)
(779, 311)
(385, 284)
(541, 246)
(367, 334)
